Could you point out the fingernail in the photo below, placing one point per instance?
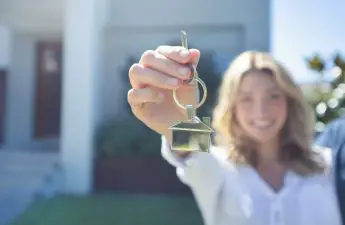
(184, 71)
(184, 53)
(172, 81)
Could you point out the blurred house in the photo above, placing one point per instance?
(60, 63)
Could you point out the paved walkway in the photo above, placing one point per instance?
(23, 176)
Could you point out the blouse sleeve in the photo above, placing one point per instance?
(203, 173)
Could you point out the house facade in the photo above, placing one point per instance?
(60, 60)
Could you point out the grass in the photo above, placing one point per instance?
(113, 209)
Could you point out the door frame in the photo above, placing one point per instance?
(3, 77)
(38, 134)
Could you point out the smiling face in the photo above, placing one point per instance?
(260, 107)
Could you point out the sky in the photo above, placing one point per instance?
(303, 27)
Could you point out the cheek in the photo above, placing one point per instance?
(280, 109)
(242, 114)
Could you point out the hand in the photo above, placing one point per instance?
(154, 78)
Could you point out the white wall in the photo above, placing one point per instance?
(252, 14)
(225, 26)
(5, 46)
(32, 15)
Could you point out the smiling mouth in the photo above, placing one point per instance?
(262, 124)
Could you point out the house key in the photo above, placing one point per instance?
(191, 134)
(191, 66)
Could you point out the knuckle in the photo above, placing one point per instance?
(134, 70)
(148, 56)
(169, 50)
(130, 96)
(135, 112)
(161, 48)
(178, 49)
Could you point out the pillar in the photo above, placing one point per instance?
(82, 33)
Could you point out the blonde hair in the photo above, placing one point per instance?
(298, 132)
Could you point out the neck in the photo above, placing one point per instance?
(268, 153)
(269, 167)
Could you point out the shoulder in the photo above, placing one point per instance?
(338, 121)
(336, 125)
(334, 133)
(324, 156)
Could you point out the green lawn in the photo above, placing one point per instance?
(113, 209)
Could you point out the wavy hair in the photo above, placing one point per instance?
(295, 137)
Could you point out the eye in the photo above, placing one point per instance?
(245, 99)
(276, 96)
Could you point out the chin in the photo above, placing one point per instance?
(262, 131)
(264, 136)
(262, 140)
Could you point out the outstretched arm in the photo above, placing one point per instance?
(203, 173)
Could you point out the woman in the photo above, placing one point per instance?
(262, 169)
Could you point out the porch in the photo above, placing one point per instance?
(62, 58)
(50, 64)
(25, 177)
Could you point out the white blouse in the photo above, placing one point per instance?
(228, 194)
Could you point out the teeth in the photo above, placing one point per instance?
(262, 123)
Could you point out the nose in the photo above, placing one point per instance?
(261, 109)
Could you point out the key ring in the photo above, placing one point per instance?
(204, 88)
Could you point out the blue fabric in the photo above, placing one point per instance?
(334, 134)
(334, 138)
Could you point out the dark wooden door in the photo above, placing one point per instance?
(3, 76)
(48, 89)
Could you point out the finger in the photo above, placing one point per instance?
(139, 96)
(140, 76)
(157, 61)
(179, 54)
(195, 56)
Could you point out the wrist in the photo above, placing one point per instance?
(182, 154)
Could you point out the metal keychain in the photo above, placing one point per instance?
(191, 134)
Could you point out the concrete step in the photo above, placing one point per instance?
(28, 156)
(24, 177)
(23, 168)
(11, 207)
